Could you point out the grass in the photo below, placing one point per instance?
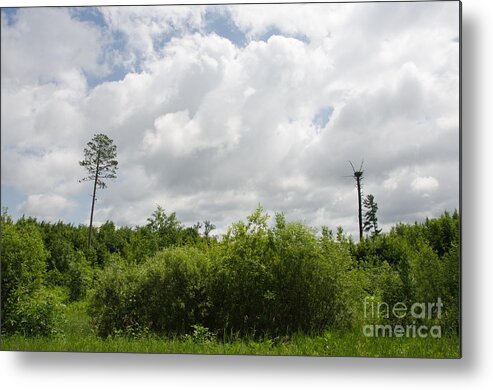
(79, 337)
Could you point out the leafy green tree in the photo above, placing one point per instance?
(442, 232)
(370, 223)
(100, 163)
(143, 244)
(208, 227)
(167, 227)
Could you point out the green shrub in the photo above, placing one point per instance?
(427, 274)
(113, 303)
(282, 280)
(23, 258)
(79, 276)
(39, 313)
(70, 269)
(242, 286)
(166, 294)
(258, 281)
(202, 334)
(345, 284)
(421, 274)
(451, 285)
(27, 306)
(173, 290)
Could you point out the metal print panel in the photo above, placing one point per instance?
(271, 179)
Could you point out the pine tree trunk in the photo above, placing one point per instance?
(359, 210)
(93, 200)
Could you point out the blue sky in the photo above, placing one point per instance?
(94, 16)
(215, 109)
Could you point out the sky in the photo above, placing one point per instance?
(217, 109)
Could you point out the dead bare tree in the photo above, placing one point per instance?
(358, 176)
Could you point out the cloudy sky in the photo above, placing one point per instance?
(215, 109)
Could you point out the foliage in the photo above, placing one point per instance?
(263, 279)
(23, 258)
(450, 287)
(416, 263)
(241, 285)
(100, 160)
(79, 276)
(113, 302)
(208, 228)
(202, 334)
(38, 313)
(173, 286)
(166, 228)
(27, 305)
(166, 294)
(256, 281)
(370, 223)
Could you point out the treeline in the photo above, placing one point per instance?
(262, 278)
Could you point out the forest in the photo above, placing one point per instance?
(267, 286)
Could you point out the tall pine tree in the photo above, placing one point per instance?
(100, 163)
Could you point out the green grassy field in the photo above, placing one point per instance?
(78, 337)
(330, 344)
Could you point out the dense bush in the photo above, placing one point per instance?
(451, 292)
(114, 303)
(241, 287)
(166, 294)
(415, 264)
(39, 313)
(258, 281)
(27, 305)
(173, 290)
(79, 276)
(281, 280)
(23, 258)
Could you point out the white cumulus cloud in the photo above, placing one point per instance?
(209, 125)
